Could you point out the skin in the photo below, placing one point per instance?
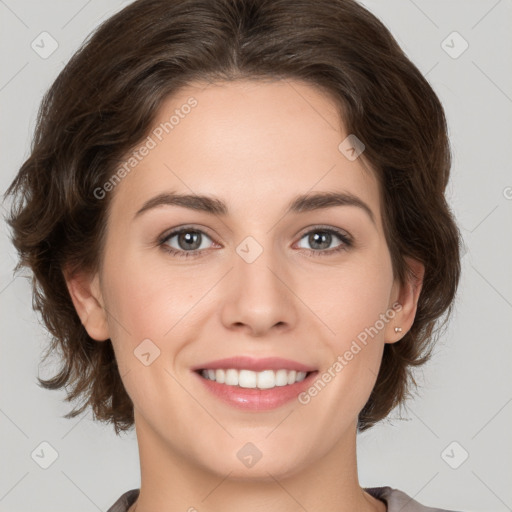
(255, 146)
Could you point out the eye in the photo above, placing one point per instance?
(321, 238)
(189, 241)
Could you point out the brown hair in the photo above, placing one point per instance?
(105, 99)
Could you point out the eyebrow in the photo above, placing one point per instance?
(214, 206)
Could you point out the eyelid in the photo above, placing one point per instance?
(186, 227)
(325, 227)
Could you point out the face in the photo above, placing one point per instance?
(291, 287)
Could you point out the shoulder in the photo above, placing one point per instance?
(397, 500)
(125, 501)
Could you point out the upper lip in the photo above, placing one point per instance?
(254, 364)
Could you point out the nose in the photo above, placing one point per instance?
(258, 295)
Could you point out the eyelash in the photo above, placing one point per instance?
(347, 242)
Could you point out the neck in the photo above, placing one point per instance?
(172, 482)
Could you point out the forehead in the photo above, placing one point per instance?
(253, 143)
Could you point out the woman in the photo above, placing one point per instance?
(235, 215)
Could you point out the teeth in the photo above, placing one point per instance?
(281, 378)
(292, 376)
(266, 379)
(231, 377)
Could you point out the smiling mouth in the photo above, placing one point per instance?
(249, 379)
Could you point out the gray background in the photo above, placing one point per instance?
(467, 393)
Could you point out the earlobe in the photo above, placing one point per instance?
(407, 296)
(85, 293)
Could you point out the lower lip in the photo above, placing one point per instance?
(257, 399)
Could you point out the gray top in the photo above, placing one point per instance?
(396, 501)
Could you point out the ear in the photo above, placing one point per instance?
(405, 298)
(85, 293)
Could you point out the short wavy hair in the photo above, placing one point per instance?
(102, 105)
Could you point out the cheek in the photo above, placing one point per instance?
(140, 305)
(147, 314)
(355, 296)
(356, 308)
(149, 300)
(145, 297)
